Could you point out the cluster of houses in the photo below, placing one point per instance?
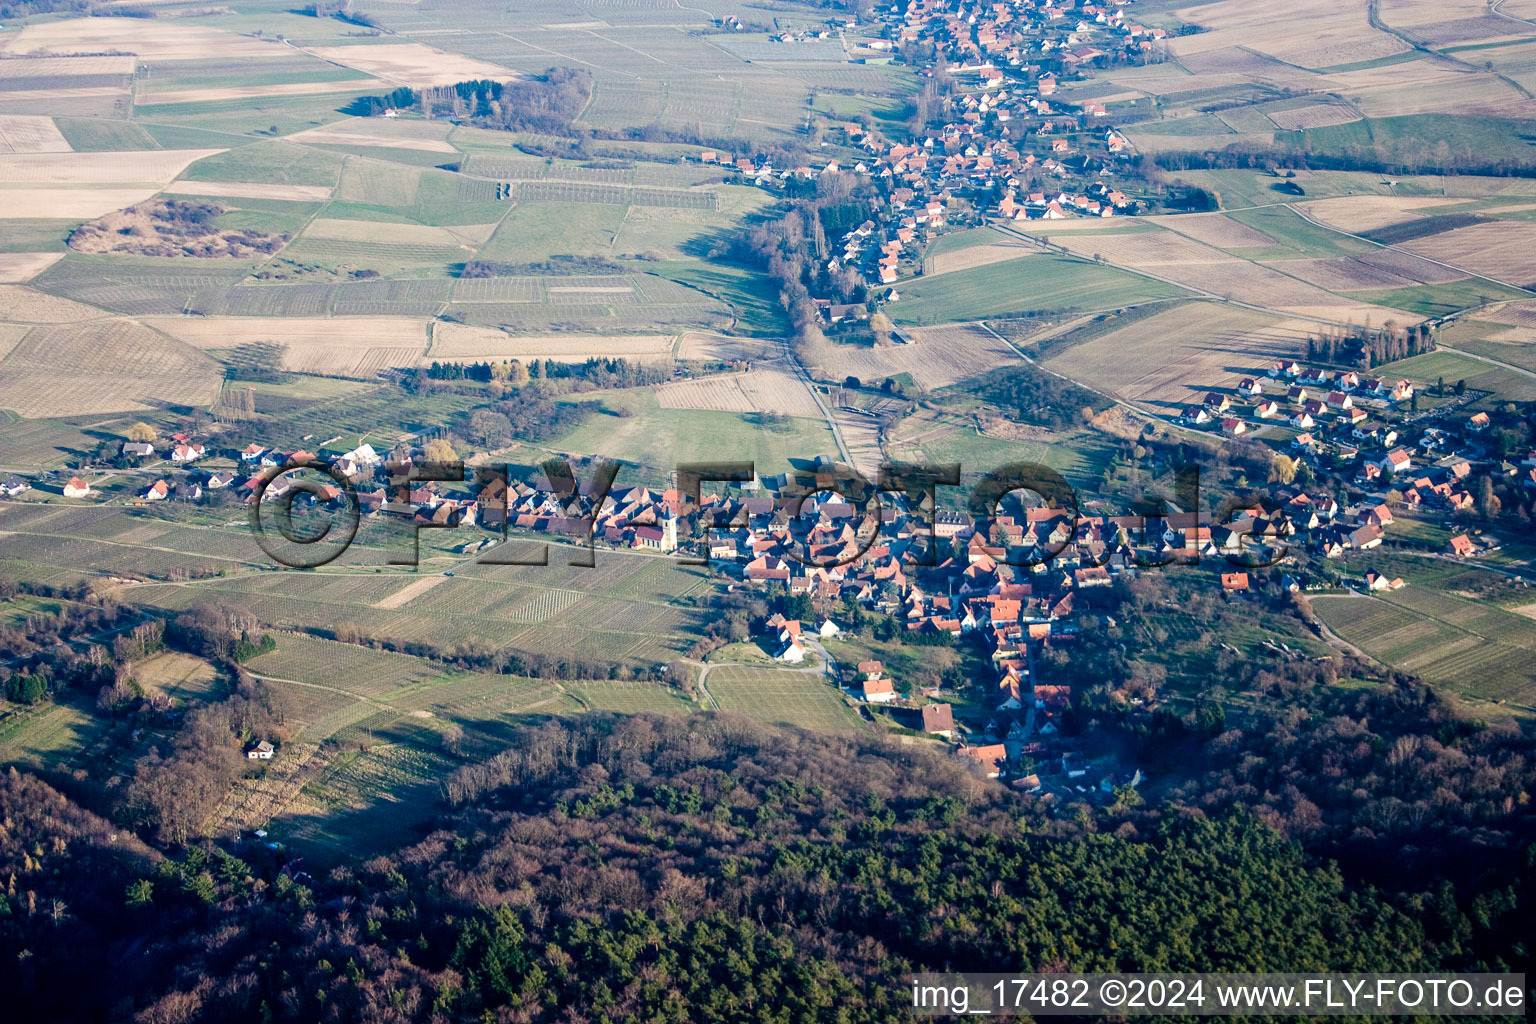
(1000, 136)
(15, 486)
(1311, 399)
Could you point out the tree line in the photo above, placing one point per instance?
(1367, 348)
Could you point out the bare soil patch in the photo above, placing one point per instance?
(462, 343)
(16, 267)
(27, 133)
(68, 203)
(409, 592)
(1167, 360)
(149, 39)
(28, 305)
(250, 190)
(414, 63)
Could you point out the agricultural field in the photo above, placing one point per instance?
(1165, 361)
(1477, 649)
(604, 233)
(1501, 382)
(1028, 284)
(936, 357)
(765, 389)
(460, 342)
(1504, 251)
(103, 366)
(806, 699)
(660, 438)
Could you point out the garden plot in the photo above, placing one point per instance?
(1169, 359)
(765, 389)
(940, 356)
(16, 267)
(460, 342)
(780, 697)
(861, 435)
(23, 133)
(104, 366)
(413, 64)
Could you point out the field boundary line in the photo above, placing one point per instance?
(1407, 252)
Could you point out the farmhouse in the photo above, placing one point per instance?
(76, 488)
(261, 751)
(1461, 546)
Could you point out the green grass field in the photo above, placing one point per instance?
(1521, 355)
(781, 697)
(45, 444)
(1031, 283)
(1437, 300)
(630, 698)
(749, 293)
(1503, 383)
(1294, 235)
(662, 438)
(45, 735)
(35, 235)
(272, 163)
(1081, 457)
(536, 231)
(99, 134)
(1491, 138)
